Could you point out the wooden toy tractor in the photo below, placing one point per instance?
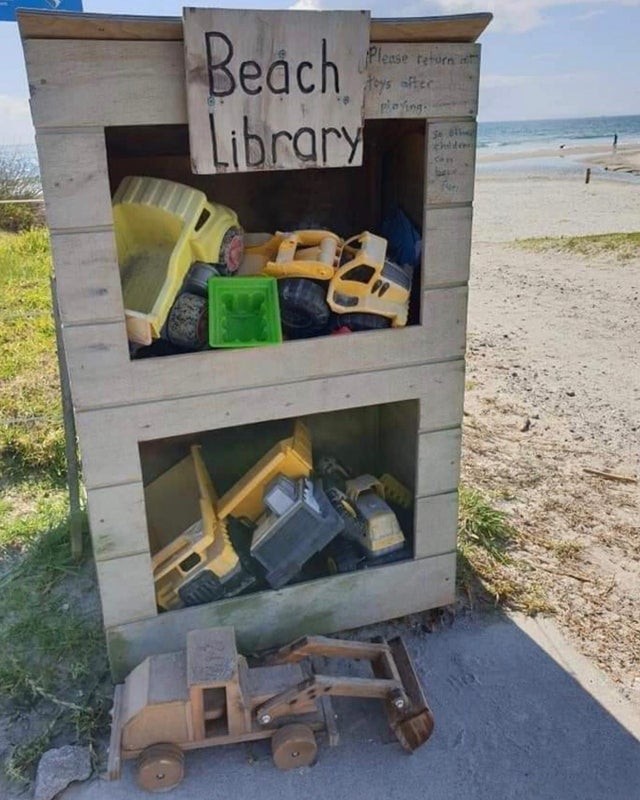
(209, 696)
(319, 273)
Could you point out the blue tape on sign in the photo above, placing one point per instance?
(8, 8)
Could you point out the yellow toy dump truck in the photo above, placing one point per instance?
(208, 696)
(161, 229)
(319, 273)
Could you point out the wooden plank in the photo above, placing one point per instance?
(117, 521)
(436, 524)
(451, 160)
(268, 619)
(78, 83)
(442, 403)
(438, 462)
(110, 458)
(126, 590)
(212, 658)
(422, 80)
(327, 647)
(114, 763)
(87, 277)
(43, 25)
(94, 351)
(75, 83)
(447, 246)
(285, 92)
(75, 184)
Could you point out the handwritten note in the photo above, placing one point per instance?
(451, 153)
(274, 89)
(421, 80)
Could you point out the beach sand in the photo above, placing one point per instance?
(623, 158)
(553, 386)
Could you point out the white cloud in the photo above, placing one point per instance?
(306, 5)
(519, 15)
(595, 12)
(15, 116)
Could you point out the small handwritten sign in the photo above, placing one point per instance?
(451, 154)
(270, 90)
(422, 80)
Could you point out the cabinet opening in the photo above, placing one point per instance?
(171, 241)
(264, 506)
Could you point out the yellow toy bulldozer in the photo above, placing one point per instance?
(320, 273)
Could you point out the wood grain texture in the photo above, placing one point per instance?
(442, 402)
(438, 462)
(87, 277)
(117, 521)
(42, 25)
(73, 169)
(447, 246)
(324, 55)
(422, 80)
(126, 589)
(75, 83)
(89, 83)
(109, 437)
(273, 618)
(451, 161)
(436, 525)
(94, 351)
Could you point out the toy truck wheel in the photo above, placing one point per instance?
(293, 746)
(160, 767)
(303, 307)
(363, 322)
(188, 321)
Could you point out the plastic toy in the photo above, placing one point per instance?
(243, 312)
(208, 696)
(161, 229)
(290, 457)
(300, 521)
(200, 565)
(362, 287)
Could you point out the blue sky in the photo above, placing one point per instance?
(541, 58)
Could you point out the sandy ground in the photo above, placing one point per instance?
(553, 386)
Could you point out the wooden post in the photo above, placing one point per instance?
(587, 176)
(70, 445)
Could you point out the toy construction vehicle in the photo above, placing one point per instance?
(161, 229)
(319, 273)
(369, 522)
(201, 565)
(208, 696)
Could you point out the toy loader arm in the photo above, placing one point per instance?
(396, 682)
(321, 685)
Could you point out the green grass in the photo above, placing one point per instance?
(485, 566)
(31, 433)
(53, 671)
(624, 246)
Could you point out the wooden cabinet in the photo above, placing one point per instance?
(108, 99)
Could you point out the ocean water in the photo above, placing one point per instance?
(542, 134)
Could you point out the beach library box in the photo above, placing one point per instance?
(261, 225)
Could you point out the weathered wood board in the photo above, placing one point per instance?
(266, 619)
(283, 91)
(422, 80)
(451, 159)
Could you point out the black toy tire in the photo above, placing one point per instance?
(363, 322)
(304, 310)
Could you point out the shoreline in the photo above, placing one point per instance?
(624, 158)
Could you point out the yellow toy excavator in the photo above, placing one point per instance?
(320, 273)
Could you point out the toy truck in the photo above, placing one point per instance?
(319, 273)
(208, 696)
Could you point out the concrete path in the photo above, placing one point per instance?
(519, 714)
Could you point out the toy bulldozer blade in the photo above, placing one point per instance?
(396, 683)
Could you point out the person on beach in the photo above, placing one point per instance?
(615, 140)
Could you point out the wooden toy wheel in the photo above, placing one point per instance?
(160, 767)
(293, 746)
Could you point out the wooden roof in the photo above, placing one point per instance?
(64, 25)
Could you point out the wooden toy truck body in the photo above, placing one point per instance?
(209, 696)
